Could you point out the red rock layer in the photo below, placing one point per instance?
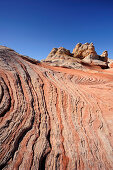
(53, 117)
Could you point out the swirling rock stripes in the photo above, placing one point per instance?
(4, 98)
(53, 117)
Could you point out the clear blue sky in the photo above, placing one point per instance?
(33, 27)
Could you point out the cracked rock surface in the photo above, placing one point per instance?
(53, 117)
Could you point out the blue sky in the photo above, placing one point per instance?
(33, 27)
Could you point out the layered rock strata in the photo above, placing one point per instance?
(53, 117)
(82, 54)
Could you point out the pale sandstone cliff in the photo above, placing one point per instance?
(53, 117)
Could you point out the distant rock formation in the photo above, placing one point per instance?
(84, 50)
(55, 118)
(82, 54)
(104, 56)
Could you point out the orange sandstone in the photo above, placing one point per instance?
(54, 117)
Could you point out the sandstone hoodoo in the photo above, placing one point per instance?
(82, 54)
(83, 50)
(56, 118)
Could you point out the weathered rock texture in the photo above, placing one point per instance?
(52, 117)
(83, 50)
(82, 54)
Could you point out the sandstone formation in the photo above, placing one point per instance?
(82, 54)
(54, 118)
(104, 56)
(83, 50)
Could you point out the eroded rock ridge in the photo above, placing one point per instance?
(55, 118)
(82, 54)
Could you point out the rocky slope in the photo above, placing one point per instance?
(55, 117)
